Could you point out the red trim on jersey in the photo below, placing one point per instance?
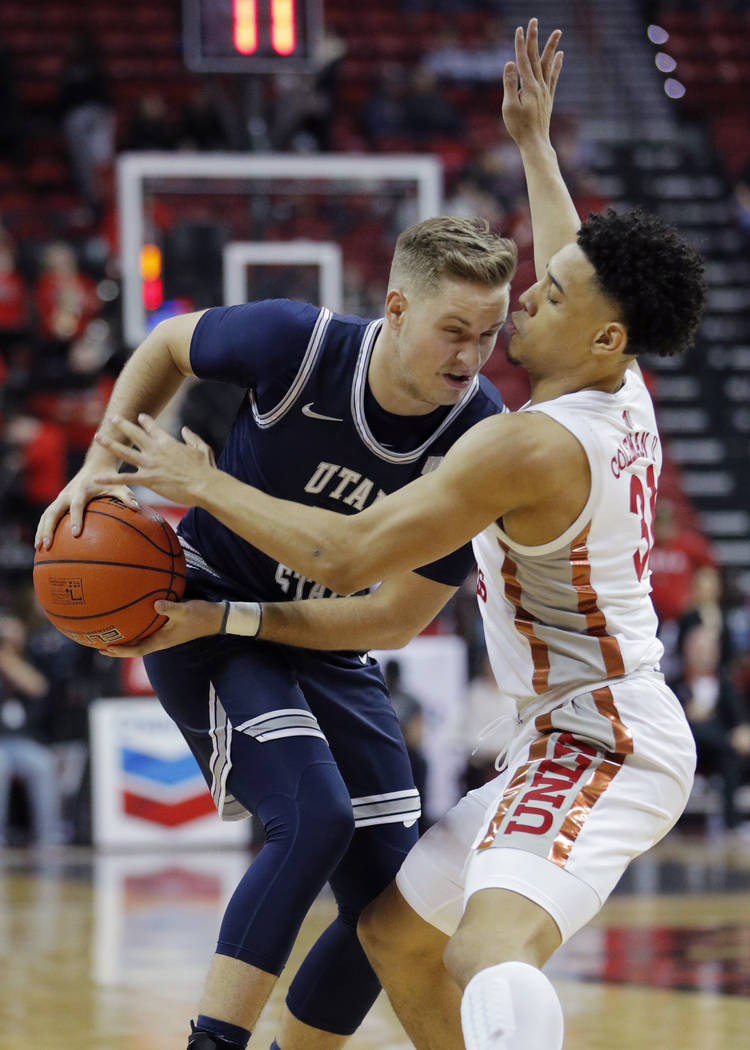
(524, 623)
(607, 766)
(605, 705)
(588, 604)
(537, 752)
(599, 781)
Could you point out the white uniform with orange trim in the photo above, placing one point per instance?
(601, 760)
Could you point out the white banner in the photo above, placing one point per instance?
(147, 789)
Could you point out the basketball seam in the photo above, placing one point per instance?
(108, 612)
(130, 525)
(166, 529)
(119, 564)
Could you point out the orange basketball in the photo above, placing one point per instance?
(99, 588)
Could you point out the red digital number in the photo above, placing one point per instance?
(645, 511)
(281, 19)
(481, 586)
(245, 26)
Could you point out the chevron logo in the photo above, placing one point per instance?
(163, 790)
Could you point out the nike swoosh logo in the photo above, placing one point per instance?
(364, 657)
(307, 410)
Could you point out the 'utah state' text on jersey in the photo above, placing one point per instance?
(310, 431)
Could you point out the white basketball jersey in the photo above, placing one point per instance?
(577, 610)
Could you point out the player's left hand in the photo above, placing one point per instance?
(179, 471)
(186, 621)
(529, 85)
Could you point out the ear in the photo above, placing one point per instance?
(396, 305)
(611, 339)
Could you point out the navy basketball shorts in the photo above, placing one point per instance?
(254, 712)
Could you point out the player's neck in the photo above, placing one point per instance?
(548, 388)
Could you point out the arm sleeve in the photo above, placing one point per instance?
(253, 342)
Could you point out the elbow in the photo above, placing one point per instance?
(343, 566)
(395, 639)
(343, 578)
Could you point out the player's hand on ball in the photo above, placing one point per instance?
(176, 470)
(76, 495)
(186, 621)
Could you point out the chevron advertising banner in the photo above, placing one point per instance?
(147, 788)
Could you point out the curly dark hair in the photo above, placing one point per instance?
(652, 273)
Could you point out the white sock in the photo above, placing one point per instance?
(511, 1006)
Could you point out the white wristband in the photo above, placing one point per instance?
(242, 618)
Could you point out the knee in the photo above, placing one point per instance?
(317, 818)
(380, 940)
(395, 938)
(460, 957)
(337, 827)
(479, 942)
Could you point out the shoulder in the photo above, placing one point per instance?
(285, 316)
(529, 446)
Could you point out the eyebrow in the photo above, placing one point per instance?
(553, 280)
(467, 324)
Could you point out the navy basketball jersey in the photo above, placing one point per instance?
(310, 430)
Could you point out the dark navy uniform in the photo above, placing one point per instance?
(306, 740)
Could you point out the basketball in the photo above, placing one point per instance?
(99, 587)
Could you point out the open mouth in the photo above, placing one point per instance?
(458, 379)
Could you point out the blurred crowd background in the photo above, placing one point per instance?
(653, 108)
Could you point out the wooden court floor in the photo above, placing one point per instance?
(108, 952)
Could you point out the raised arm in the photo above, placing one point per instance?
(147, 383)
(528, 93)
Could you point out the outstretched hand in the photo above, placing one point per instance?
(529, 85)
(177, 470)
(186, 621)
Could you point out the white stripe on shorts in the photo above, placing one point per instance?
(389, 808)
(287, 721)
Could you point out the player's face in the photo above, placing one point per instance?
(445, 338)
(560, 317)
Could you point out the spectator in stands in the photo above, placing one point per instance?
(678, 551)
(23, 694)
(150, 127)
(716, 715)
(76, 675)
(88, 118)
(706, 607)
(411, 719)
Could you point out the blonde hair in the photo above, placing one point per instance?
(452, 247)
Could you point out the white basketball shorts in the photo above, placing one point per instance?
(590, 784)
